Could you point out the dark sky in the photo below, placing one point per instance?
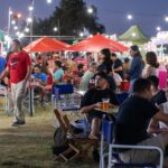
(112, 13)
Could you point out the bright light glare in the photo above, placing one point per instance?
(55, 29)
(166, 19)
(158, 28)
(30, 8)
(27, 30)
(129, 17)
(49, 1)
(29, 20)
(133, 34)
(15, 28)
(81, 34)
(90, 10)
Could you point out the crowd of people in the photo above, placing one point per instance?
(142, 118)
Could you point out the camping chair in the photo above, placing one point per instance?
(75, 140)
(66, 155)
(113, 156)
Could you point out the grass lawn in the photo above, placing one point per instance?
(30, 145)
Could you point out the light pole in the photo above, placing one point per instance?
(30, 19)
(9, 19)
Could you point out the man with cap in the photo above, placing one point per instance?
(92, 99)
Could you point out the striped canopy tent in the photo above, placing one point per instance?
(46, 44)
(97, 43)
(135, 35)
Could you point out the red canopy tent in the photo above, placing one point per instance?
(97, 43)
(46, 44)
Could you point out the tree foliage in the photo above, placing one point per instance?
(71, 17)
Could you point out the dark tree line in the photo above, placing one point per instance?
(70, 17)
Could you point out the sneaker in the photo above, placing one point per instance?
(18, 123)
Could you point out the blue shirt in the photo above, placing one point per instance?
(136, 68)
(41, 76)
(58, 75)
(2, 64)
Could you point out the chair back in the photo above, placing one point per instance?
(107, 131)
(63, 89)
(61, 120)
(121, 97)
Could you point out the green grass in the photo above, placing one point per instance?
(30, 146)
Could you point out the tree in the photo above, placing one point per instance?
(71, 17)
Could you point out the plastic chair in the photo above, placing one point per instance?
(121, 97)
(113, 157)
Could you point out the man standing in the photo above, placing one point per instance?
(19, 69)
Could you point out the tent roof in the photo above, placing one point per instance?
(46, 44)
(134, 34)
(97, 43)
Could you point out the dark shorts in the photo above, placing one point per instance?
(95, 114)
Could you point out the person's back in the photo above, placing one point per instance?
(88, 75)
(85, 80)
(136, 68)
(151, 66)
(133, 120)
(59, 73)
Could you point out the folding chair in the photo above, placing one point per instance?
(113, 156)
(82, 141)
(64, 124)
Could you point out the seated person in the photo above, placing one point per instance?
(88, 75)
(159, 96)
(78, 73)
(49, 84)
(117, 78)
(59, 73)
(132, 122)
(39, 76)
(92, 99)
(39, 81)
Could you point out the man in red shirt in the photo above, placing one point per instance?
(19, 69)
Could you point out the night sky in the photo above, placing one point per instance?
(112, 13)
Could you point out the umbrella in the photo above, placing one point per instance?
(97, 43)
(46, 44)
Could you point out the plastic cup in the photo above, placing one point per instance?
(106, 103)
